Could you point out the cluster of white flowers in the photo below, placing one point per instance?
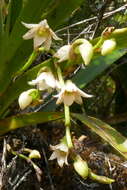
(68, 93)
(42, 34)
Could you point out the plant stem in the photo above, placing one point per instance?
(66, 112)
(60, 77)
(99, 43)
(37, 169)
(29, 62)
(68, 124)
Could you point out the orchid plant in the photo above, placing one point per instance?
(52, 76)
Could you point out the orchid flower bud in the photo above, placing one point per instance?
(86, 51)
(34, 154)
(100, 179)
(108, 46)
(81, 167)
(27, 97)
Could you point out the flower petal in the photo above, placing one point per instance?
(47, 43)
(39, 78)
(55, 37)
(86, 51)
(66, 162)
(78, 99)
(60, 161)
(68, 99)
(63, 147)
(44, 23)
(38, 40)
(50, 80)
(63, 53)
(83, 94)
(53, 156)
(30, 34)
(29, 25)
(42, 85)
(60, 98)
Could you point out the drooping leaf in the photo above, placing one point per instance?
(106, 132)
(22, 120)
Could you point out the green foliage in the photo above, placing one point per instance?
(106, 132)
(14, 53)
(22, 120)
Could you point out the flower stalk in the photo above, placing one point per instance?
(28, 63)
(66, 111)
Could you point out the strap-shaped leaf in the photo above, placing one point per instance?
(31, 12)
(22, 120)
(14, 47)
(106, 132)
(96, 67)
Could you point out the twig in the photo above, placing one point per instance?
(106, 15)
(48, 171)
(20, 180)
(3, 162)
(86, 30)
(36, 168)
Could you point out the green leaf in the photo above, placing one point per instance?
(22, 120)
(14, 8)
(96, 67)
(106, 132)
(61, 10)
(15, 47)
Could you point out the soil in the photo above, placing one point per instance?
(19, 174)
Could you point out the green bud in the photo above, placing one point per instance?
(108, 46)
(100, 179)
(34, 154)
(81, 167)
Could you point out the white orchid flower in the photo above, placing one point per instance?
(27, 97)
(45, 81)
(63, 53)
(41, 34)
(60, 153)
(71, 93)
